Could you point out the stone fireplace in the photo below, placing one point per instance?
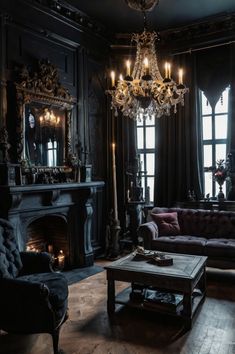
(49, 234)
(53, 218)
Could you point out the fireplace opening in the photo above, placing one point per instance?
(50, 234)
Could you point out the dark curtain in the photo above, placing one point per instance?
(179, 166)
(178, 158)
(231, 128)
(213, 71)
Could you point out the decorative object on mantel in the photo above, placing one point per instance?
(86, 168)
(75, 163)
(9, 172)
(143, 92)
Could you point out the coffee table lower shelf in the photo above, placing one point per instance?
(123, 298)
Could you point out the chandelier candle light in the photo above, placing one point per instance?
(144, 92)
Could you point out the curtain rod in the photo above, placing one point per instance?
(203, 48)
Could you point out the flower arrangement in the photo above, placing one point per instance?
(221, 172)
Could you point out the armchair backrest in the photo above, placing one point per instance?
(10, 261)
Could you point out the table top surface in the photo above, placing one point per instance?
(184, 266)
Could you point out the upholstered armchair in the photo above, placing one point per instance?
(33, 298)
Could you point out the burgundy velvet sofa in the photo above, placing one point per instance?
(192, 231)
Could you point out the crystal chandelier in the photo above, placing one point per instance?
(144, 92)
(48, 118)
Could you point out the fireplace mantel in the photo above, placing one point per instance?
(71, 201)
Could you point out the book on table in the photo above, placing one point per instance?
(170, 302)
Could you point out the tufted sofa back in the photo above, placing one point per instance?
(10, 261)
(204, 223)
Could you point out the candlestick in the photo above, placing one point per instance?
(115, 209)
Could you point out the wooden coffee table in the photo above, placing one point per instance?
(185, 275)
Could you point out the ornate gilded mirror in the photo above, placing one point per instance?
(45, 110)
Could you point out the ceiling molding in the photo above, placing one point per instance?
(214, 30)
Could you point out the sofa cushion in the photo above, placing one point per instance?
(167, 223)
(180, 244)
(223, 247)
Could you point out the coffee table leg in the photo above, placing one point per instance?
(188, 310)
(111, 297)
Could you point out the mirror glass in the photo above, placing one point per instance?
(44, 134)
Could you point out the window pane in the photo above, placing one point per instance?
(207, 128)
(150, 138)
(220, 152)
(150, 183)
(150, 164)
(222, 104)
(143, 168)
(143, 185)
(207, 155)
(140, 140)
(221, 122)
(150, 120)
(139, 122)
(206, 107)
(208, 183)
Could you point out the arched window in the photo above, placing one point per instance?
(214, 137)
(146, 151)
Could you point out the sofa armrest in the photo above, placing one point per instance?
(147, 232)
(36, 262)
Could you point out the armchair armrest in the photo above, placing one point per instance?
(147, 232)
(36, 262)
(22, 303)
(15, 290)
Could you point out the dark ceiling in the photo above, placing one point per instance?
(119, 18)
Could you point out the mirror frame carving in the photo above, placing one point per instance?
(42, 87)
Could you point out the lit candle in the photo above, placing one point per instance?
(61, 259)
(169, 70)
(112, 78)
(120, 77)
(128, 68)
(166, 70)
(50, 249)
(115, 209)
(146, 66)
(180, 76)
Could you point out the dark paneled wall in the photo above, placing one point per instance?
(30, 31)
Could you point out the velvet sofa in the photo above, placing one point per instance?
(192, 231)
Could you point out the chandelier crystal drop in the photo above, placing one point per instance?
(144, 92)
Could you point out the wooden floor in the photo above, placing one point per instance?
(89, 331)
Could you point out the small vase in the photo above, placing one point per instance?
(220, 195)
